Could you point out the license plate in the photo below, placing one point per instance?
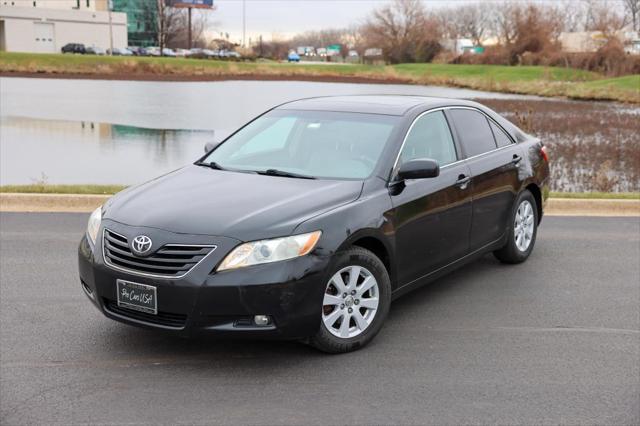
(140, 297)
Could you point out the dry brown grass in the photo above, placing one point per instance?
(593, 146)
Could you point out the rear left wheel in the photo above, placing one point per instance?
(355, 302)
(522, 231)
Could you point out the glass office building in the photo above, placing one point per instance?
(141, 21)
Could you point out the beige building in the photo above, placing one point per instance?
(44, 26)
(582, 41)
(91, 5)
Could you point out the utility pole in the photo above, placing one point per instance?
(161, 29)
(110, 6)
(189, 21)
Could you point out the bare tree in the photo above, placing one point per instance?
(179, 34)
(354, 38)
(573, 14)
(503, 21)
(404, 31)
(605, 17)
(633, 8)
(471, 21)
(168, 18)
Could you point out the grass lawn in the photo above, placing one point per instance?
(62, 189)
(533, 80)
(112, 189)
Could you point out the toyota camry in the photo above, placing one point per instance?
(309, 220)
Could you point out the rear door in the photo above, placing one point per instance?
(432, 216)
(493, 159)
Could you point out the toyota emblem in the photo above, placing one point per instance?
(141, 245)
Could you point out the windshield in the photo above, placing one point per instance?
(318, 144)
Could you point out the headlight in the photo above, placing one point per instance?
(94, 224)
(267, 251)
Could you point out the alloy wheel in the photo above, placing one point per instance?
(350, 302)
(524, 226)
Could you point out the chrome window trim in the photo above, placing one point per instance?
(145, 274)
(404, 141)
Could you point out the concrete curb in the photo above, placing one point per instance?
(50, 202)
(87, 203)
(592, 207)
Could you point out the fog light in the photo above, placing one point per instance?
(87, 290)
(262, 320)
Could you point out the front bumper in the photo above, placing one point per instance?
(223, 303)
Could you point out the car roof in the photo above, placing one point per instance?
(373, 104)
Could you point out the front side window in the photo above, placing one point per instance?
(474, 131)
(431, 138)
(321, 144)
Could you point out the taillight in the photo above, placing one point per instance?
(543, 152)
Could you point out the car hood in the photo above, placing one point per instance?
(245, 206)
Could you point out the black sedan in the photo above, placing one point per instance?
(308, 221)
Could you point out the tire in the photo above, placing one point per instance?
(521, 237)
(364, 322)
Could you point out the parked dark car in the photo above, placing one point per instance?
(138, 51)
(74, 48)
(308, 221)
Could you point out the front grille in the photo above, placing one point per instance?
(162, 318)
(171, 260)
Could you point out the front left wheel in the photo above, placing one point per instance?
(355, 302)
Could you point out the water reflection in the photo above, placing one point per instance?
(61, 151)
(96, 131)
(99, 131)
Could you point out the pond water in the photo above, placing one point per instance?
(126, 132)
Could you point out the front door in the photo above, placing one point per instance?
(432, 216)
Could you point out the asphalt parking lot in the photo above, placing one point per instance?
(555, 340)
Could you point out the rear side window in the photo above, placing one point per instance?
(474, 131)
(501, 137)
(430, 137)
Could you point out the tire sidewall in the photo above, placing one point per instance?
(357, 256)
(523, 255)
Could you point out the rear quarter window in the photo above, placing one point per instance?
(473, 129)
(501, 137)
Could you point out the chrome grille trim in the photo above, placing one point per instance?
(177, 259)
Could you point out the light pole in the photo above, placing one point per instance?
(244, 22)
(110, 29)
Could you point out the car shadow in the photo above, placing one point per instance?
(136, 345)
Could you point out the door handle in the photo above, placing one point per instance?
(516, 159)
(463, 181)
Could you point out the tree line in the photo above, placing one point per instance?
(515, 32)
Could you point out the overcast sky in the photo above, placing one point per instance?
(284, 18)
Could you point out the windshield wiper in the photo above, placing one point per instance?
(281, 173)
(211, 165)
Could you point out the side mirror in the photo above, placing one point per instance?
(210, 146)
(420, 168)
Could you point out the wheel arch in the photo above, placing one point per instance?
(537, 195)
(378, 245)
